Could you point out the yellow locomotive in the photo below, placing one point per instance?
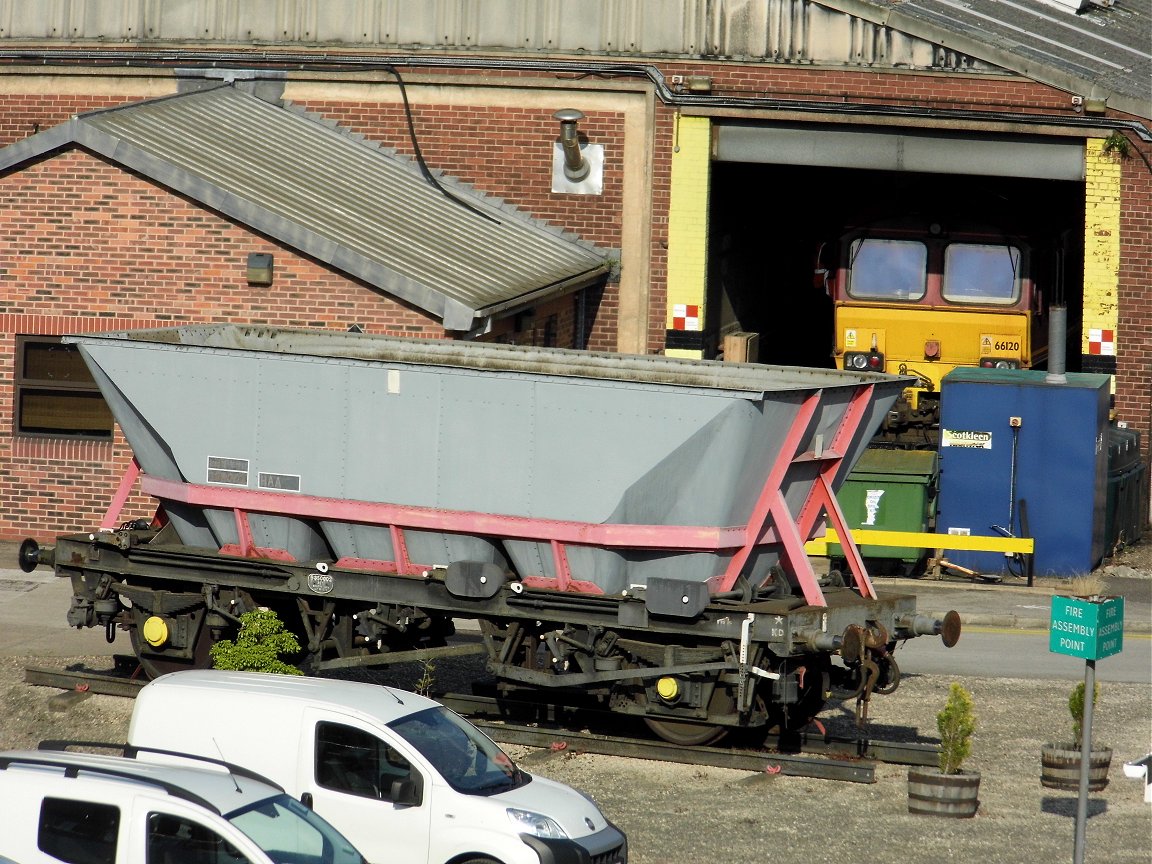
(921, 300)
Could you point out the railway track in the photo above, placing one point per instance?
(554, 728)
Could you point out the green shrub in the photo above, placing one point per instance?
(956, 723)
(1076, 708)
(258, 646)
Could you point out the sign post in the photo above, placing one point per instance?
(1091, 628)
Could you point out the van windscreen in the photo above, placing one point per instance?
(468, 759)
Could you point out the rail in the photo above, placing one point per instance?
(821, 756)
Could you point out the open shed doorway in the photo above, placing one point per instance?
(767, 224)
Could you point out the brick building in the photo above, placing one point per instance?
(726, 142)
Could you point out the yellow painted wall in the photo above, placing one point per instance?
(1101, 242)
(688, 220)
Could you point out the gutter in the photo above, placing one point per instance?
(283, 61)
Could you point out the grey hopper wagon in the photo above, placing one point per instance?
(546, 435)
(465, 477)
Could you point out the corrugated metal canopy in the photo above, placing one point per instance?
(354, 205)
(1102, 52)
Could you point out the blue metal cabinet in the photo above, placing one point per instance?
(1007, 436)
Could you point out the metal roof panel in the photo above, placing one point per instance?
(349, 203)
(1100, 52)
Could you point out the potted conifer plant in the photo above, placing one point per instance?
(1060, 762)
(949, 790)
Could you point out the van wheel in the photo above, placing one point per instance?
(479, 861)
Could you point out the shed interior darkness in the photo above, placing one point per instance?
(767, 223)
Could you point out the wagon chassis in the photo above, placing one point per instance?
(738, 662)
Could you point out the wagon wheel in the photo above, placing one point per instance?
(696, 734)
(813, 684)
(814, 693)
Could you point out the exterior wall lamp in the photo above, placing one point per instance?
(259, 268)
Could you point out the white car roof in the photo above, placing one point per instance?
(211, 787)
(384, 703)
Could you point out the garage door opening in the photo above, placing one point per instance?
(773, 228)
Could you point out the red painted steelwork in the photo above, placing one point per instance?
(822, 498)
(766, 507)
(112, 515)
(771, 521)
(678, 537)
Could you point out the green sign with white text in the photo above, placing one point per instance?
(1088, 627)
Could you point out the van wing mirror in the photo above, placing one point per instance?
(306, 800)
(408, 791)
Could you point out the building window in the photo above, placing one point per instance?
(56, 396)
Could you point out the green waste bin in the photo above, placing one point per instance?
(889, 490)
(1124, 511)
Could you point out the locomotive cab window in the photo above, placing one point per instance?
(894, 270)
(977, 273)
(55, 394)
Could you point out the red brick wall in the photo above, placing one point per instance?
(1134, 350)
(21, 115)
(117, 247)
(90, 246)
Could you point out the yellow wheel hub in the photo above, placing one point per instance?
(668, 688)
(155, 631)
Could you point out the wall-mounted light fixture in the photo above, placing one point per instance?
(259, 268)
(577, 167)
(698, 84)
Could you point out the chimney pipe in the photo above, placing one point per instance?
(576, 167)
(1057, 345)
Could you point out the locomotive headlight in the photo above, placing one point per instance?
(536, 824)
(998, 363)
(872, 361)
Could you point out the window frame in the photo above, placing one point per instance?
(853, 287)
(24, 386)
(1016, 258)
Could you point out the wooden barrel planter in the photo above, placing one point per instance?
(931, 793)
(1060, 767)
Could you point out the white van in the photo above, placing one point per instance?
(406, 779)
(81, 808)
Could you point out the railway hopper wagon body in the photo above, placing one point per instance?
(630, 527)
